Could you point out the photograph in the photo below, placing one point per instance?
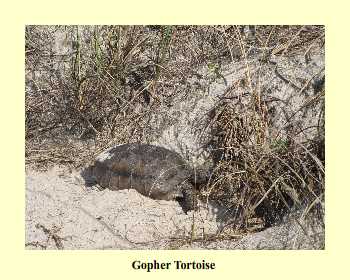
(174, 137)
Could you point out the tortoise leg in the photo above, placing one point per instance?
(188, 201)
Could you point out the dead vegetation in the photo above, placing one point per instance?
(105, 84)
(260, 170)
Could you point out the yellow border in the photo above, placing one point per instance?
(20, 264)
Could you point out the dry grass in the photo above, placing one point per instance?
(259, 173)
(106, 87)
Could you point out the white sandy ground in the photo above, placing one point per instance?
(92, 219)
(61, 213)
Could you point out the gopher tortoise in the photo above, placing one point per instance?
(153, 171)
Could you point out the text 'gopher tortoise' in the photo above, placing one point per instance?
(153, 171)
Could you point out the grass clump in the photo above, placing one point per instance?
(105, 84)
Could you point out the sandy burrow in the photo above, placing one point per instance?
(61, 213)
